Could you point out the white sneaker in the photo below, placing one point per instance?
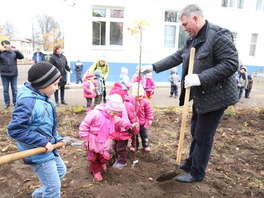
(120, 166)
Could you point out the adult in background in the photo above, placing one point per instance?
(78, 67)
(213, 84)
(9, 72)
(60, 61)
(38, 56)
(102, 65)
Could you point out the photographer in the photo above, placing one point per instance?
(8, 66)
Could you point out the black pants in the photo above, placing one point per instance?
(120, 147)
(203, 128)
(56, 94)
(104, 93)
(144, 138)
(174, 90)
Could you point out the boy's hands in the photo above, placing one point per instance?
(49, 147)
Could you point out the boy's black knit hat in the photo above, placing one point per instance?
(43, 74)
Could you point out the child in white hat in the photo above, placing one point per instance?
(145, 116)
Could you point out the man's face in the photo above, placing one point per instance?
(6, 46)
(190, 25)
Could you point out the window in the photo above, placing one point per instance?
(260, 5)
(107, 26)
(253, 44)
(173, 30)
(233, 3)
(234, 37)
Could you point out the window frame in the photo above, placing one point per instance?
(238, 4)
(253, 45)
(178, 26)
(260, 5)
(108, 20)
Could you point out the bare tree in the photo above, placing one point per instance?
(47, 32)
(7, 29)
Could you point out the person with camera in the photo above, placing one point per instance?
(9, 72)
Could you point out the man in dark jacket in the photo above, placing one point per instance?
(213, 84)
(9, 72)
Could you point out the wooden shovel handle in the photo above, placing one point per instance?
(23, 154)
(185, 108)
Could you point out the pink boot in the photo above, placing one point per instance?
(88, 109)
(98, 176)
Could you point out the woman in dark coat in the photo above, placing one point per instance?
(60, 61)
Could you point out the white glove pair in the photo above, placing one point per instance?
(146, 69)
(191, 80)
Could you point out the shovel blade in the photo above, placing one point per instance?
(168, 176)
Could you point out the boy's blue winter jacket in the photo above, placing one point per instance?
(34, 123)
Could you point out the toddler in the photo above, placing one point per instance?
(121, 136)
(149, 85)
(96, 129)
(124, 80)
(144, 115)
(89, 91)
(99, 88)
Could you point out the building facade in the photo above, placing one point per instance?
(109, 28)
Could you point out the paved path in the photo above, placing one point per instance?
(74, 95)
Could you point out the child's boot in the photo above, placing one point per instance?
(120, 166)
(147, 149)
(97, 176)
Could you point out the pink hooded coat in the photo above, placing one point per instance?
(90, 128)
(88, 90)
(144, 112)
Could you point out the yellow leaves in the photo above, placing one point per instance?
(245, 124)
(137, 26)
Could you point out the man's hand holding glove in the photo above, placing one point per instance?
(191, 80)
(146, 69)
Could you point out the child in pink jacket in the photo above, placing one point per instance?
(145, 116)
(149, 85)
(89, 89)
(121, 136)
(96, 129)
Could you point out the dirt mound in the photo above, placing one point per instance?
(235, 168)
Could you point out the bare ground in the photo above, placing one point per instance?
(235, 168)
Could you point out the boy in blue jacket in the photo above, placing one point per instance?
(34, 124)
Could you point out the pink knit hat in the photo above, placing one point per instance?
(117, 89)
(114, 103)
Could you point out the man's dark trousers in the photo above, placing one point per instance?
(203, 128)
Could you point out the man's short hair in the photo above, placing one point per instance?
(5, 42)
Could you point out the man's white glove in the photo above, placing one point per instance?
(146, 69)
(192, 80)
